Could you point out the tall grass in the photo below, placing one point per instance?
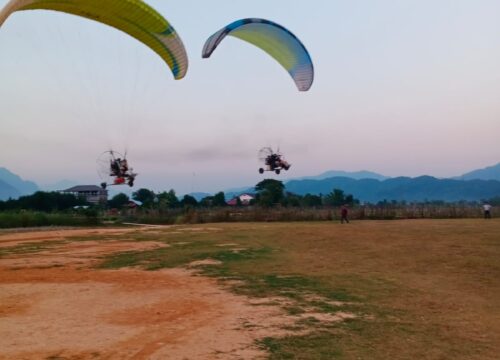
(242, 214)
(258, 214)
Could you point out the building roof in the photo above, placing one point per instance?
(84, 188)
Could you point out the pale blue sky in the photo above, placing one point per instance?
(401, 88)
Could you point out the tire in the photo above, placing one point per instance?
(261, 171)
(277, 171)
(104, 185)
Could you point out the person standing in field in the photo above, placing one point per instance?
(487, 210)
(343, 214)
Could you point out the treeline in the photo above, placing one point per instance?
(43, 201)
(268, 193)
(166, 200)
(47, 209)
(271, 203)
(19, 219)
(271, 193)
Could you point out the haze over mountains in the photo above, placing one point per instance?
(364, 185)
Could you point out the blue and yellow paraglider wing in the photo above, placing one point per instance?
(276, 41)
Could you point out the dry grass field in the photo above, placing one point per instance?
(409, 289)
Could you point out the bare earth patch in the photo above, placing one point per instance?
(326, 317)
(199, 229)
(77, 253)
(128, 314)
(12, 239)
(53, 305)
(204, 262)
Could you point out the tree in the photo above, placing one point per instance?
(219, 199)
(118, 201)
(168, 199)
(238, 201)
(338, 198)
(189, 200)
(292, 199)
(44, 201)
(269, 192)
(349, 199)
(312, 200)
(495, 201)
(145, 196)
(207, 201)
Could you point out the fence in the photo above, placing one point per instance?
(257, 214)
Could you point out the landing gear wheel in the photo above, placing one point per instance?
(277, 171)
(104, 185)
(261, 171)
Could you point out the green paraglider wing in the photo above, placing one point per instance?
(275, 40)
(133, 17)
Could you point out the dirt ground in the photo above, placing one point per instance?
(55, 305)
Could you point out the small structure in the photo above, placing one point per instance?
(91, 193)
(133, 204)
(244, 199)
(131, 207)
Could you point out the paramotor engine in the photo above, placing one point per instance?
(273, 161)
(113, 169)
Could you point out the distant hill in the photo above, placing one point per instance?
(401, 188)
(363, 174)
(7, 191)
(488, 173)
(357, 175)
(22, 186)
(198, 195)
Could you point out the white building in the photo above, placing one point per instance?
(245, 199)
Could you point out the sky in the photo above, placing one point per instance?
(402, 88)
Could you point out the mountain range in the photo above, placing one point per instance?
(8, 191)
(13, 186)
(488, 173)
(368, 186)
(364, 185)
(422, 188)
(357, 175)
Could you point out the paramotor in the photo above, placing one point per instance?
(273, 161)
(113, 169)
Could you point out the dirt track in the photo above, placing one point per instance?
(53, 304)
